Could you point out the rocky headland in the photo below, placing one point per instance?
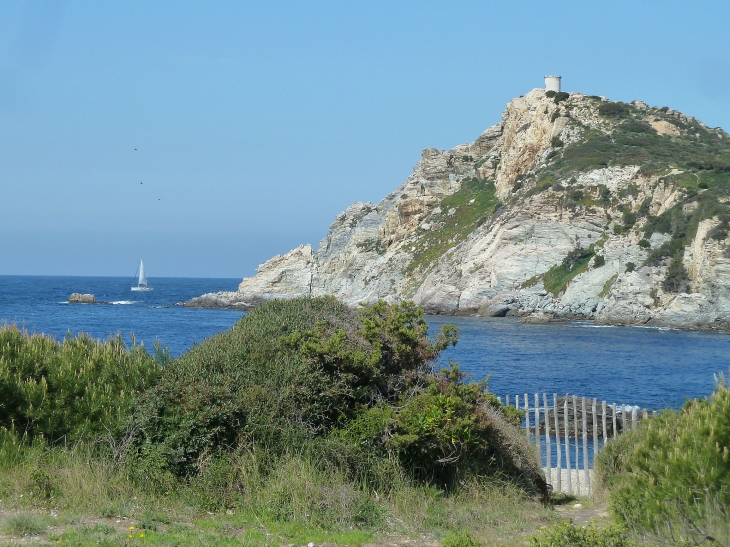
(572, 207)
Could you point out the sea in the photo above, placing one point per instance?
(646, 367)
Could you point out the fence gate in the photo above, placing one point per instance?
(557, 430)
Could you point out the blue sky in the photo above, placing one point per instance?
(256, 123)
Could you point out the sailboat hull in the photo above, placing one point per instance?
(142, 289)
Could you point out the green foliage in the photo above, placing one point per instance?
(556, 142)
(450, 230)
(614, 110)
(25, 524)
(599, 261)
(607, 285)
(542, 185)
(447, 432)
(630, 267)
(556, 279)
(670, 476)
(288, 372)
(372, 245)
(630, 190)
(557, 96)
(629, 219)
(644, 243)
(636, 126)
(307, 413)
(634, 142)
(460, 539)
(534, 280)
(722, 230)
(677, 277)
(564, 534)
(71, 390)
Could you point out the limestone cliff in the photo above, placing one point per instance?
(572, 206)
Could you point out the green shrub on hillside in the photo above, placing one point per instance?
(635, 142)
(556, 279)
(671, 476)
(614, 110)
(353, 389)
(557, 96)
(71, 390)
(461, 213)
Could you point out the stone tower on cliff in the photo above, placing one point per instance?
(552, 83)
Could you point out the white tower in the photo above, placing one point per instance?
(552, 83)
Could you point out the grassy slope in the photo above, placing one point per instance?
(97, 501)
(470, 207)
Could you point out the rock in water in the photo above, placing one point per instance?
(78, 298)
(582, 208)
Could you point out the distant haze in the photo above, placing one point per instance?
(256, 123)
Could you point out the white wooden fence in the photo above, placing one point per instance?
(552, 427)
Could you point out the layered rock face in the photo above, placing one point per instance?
(571, 207)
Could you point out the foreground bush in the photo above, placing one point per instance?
(567, 534)
(349, 389)
(71, 390)
(671, 477)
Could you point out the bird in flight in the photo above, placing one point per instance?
(135, 149)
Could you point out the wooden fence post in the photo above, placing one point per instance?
(634, 419)
(586, 475)
(594, 413)
(527, 416)
(548, 446)
(603, 420)
(537, 428)
(507, 400)
(556, 413)
(577, 445)
(567, 444)
(615, 429)
(623, 418)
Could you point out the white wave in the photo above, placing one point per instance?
(124, 302)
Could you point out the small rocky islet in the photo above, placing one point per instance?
(572, 207)
(79, 298)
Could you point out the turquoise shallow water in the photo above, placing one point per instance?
(647, 367)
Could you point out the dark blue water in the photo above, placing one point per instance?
(647, 367)
(37, 303)
(651, 368)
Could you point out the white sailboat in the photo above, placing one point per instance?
(141, 279)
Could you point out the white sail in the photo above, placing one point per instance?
(142, 278)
